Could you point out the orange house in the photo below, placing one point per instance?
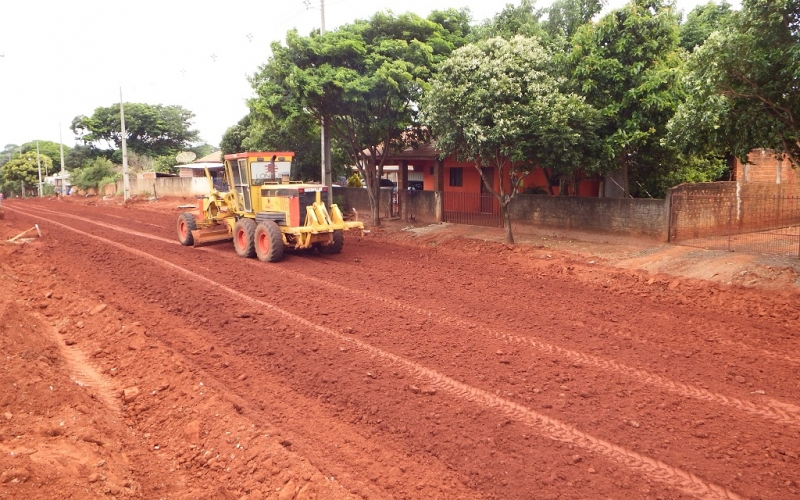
(452, 178)
(449, 175)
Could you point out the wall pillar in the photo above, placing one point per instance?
(438, 186)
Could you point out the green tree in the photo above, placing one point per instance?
(512, 21)
(99, 171)
(153, 130)
(564, 17)
(628, 66)
(701, 22)
(457, 26)
(25, 168)
(234, 137)
(80, 156)
(743, 85)
(496, 104)
(50, 149)
(203, 149)
(165, 164)
(8, 153)
(363, 78)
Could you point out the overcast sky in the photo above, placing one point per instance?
(63, 59)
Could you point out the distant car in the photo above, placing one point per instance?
(415, 185)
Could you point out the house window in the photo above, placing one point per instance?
(456, 177)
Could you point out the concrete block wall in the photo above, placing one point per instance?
(624, 216)
(358, 198)
(634, 217)
(166, 186)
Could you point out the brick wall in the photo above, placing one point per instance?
(718, 208)
(763, 166)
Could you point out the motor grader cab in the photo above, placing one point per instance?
(265, 213)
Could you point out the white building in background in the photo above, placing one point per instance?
(60, 181)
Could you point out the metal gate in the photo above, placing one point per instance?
(736, 222)
(471, 208)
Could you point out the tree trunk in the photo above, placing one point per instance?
(549, 181)
(372, 179)
(374, 195)
(506, 222)
(376, 206)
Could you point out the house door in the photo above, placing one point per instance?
(487, 198)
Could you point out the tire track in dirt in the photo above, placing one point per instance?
(101, 224)
(134, 220)
(550, 427)
(400, 305)
(777, 411)
(730, 343)
(84, 374)
(782, 407)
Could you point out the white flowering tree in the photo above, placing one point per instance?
(496, 104)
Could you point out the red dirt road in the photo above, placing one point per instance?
(134, 367)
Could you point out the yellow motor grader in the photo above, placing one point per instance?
(263, 212)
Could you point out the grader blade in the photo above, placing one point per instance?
(209, 235)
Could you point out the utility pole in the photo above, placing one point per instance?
(126, 183)
(39, 163)
(325, 139)
(60, 184)
(61, 144)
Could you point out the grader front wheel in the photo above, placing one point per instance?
(186, 224)
(244, 238)
(336, 245)
(269, 242)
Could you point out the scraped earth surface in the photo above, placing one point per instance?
(411, 365)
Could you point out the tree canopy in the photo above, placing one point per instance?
(701, 22)
(742, 84)
(48, 148)
(523, 19)
(25, 168)
(93, 174)
(496, 104)
(153, 130)
(564, 17)
(628, 66)
(363, 79)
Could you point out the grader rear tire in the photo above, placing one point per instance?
(269, 242)
(244, 232)
(186, 224)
